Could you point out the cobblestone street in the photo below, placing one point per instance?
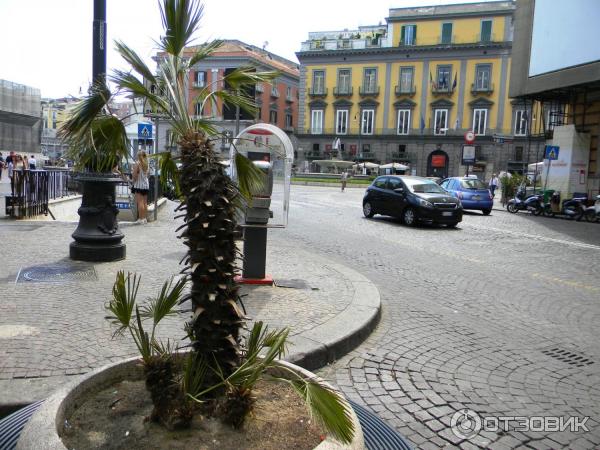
(499, 316)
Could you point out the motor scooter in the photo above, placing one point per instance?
(573, 208)
(592, 213)
(533, 203)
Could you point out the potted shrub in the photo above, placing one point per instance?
(217, 376)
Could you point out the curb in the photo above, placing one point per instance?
(335, 338)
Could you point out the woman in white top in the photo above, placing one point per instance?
(141, 185)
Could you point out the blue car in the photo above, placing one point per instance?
(472, 193)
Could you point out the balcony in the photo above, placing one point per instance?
(259, 87)
(408, 43)
(198, 85)
(442, 90)
(274, 93)
(317, 92)
(343, 91)
(366, 91)
(476, 90)
(289, 99)
(442, 41)
(406, 91)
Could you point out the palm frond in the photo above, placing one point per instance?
(164, 304)
(204, 51)
(195, 369)
(234, 99)
(168, 171)
(134, 61)
(249, 177)
(85, 113)
(248, 76)
(181, 19)
(124, 293)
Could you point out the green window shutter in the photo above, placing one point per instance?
(486, 30)
(446, 33)
(414, 38)
(402, 35)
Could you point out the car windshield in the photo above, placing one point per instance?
(426, 187)
(473, 184)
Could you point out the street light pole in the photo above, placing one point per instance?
(99, 42)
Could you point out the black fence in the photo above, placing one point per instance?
(32, 189)
(124, 188)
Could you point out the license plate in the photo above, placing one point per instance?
(476, 197)
(447, 213)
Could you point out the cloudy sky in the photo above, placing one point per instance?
(47, 44)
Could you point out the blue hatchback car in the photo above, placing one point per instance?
(472, 193)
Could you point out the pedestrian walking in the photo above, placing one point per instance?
(141, 186)
(11, 166)
(1, 165)
(493, 184)
(344, 180)
(32, 163)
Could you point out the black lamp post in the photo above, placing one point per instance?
(97, 237)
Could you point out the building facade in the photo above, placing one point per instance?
(562, 74)
(20, 118)
(277, 101)
(408, 91)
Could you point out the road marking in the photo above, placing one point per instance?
(535, 236)
(557, 280)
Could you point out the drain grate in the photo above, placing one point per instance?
(569, 357)
(57, 273)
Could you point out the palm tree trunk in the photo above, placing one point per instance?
(209, 234)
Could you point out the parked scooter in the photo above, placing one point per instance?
(573, 208)
(592, 213)
(533, 203)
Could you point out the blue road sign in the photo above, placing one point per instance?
(551, 152)
(144, 131)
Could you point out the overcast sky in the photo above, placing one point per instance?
(47, 44)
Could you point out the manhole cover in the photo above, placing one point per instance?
(57, 273)
(292, 284)
(569, 357)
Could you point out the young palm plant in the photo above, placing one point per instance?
(220, 370)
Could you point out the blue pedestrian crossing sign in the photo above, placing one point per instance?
(551, 152)
(144, 131)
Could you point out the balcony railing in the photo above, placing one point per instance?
(368, 90)
(442, 90)
(289, 99)
(483, 39)
(198, 85)
(406, 91)
(481, 89)
(342, 91)
(274, 93)
(408, 43)
(317, 92)
(447, 42)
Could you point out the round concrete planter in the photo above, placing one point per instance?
(45, 426)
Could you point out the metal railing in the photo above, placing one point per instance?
(403, 91)
(123, 189)
(342, 91)
(476, 89)
(368, 90)
(317, 92)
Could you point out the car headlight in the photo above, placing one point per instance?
(425, 203)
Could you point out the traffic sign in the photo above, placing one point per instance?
(144, 131)
(468, 155)
(551, 152)
(469, 137)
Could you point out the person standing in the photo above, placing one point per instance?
(32, 162)
(141, 186)
(344, 180)
(1, 165)
(493, 184)
(11, 166)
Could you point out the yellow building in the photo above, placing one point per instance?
(408, 91)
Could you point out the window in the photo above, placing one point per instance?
(518, 153)
(406, 80)
(521, 122)
(289, 121)
(486, 31)
(446, 33)
(259, 113)
(317, 121)
(380, 182)
(273, 116)
(366, 148)
(316, 148)
(408, 35)
(343, 82)
(200, 79)
(367, 121)
(370, 80)
(403, 121)
(318, 81)
(443, 77)
(440, 121)
(394, 183)
(274, 91)
(341, 121)
(198, 109)
(401, 148)
(479, 121)
(482, 77)
(288, 93)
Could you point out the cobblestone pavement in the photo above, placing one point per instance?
(52, 330)
(499, 316)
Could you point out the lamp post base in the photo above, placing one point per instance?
(97, 253)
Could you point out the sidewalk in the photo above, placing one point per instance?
(52, 324)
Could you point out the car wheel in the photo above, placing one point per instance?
(409, 217)
(590, 216)
(486, 212)
(512, 208)
(452, 225)
(368, 210)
